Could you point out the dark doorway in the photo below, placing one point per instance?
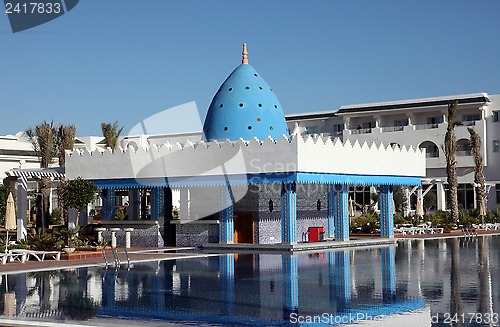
(243, 227)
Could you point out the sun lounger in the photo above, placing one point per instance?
(9, 257)
(39, 255)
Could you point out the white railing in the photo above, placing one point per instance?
(469, 123)
(432, 154)
(361, 131)
(464, 153)
(426, 126)
(392, 129)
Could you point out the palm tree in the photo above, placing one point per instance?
(450, 151)
(44, 140)
(66, 135)
(475, 144)
(111, 134)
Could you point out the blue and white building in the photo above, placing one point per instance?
(247, 180)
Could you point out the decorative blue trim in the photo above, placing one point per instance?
(330, 210)
(227, 293)
(386, 212)
(156, 200)
(226, 216)
(288, 213)
(341, 212)
(388, 274)
(341, 266)
(256, 179)
(290, 268)
(108, 201)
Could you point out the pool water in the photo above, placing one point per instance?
(431, 282)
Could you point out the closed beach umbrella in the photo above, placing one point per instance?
(419, 211)
(10, 217)
(351, 208)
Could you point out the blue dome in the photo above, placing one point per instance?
(244, 107)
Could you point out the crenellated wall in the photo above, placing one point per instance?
(296, 154)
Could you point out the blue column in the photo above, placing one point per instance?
(108, 204)
(156, 202)
(134, 204)
(226, 216)
(289, 213)
(226, 289)
(340, 279)
(330, 210)
(341, 212)
(386, 215)
(290, 275)
(388, 275)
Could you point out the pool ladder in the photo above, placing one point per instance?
(115, 256)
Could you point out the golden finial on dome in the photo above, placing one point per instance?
(245, 54)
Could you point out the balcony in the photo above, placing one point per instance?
(426, 126)
(434, 154)
(361, 131)
(464, 153)
(390, 129)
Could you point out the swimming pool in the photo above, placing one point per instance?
(444, 281)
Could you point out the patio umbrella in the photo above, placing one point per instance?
(419, 211)
(351, 208)
(10, 217)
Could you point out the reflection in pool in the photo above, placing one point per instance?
(445, 277)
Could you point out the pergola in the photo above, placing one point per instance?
(224, 165)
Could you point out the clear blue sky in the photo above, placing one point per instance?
(127, 60)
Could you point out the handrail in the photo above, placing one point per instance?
(128, 258)
(104, 256)
(115, 255)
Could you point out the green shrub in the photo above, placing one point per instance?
(56, 217)
(469, 217)
(366, 223)
(440, 219)
(399, 219)
(119, 214)
(44, 241)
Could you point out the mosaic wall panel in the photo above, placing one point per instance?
(139, 237)
(196, 234)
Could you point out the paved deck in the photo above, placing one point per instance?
(170, 253)
(296, 247)
(135, 255)
(452, 234)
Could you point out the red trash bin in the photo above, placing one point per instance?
(316, 234)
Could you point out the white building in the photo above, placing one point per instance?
(422, 123)
(417, 122)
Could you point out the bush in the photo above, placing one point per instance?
(440, 219)
(366, 223)
(119, 214)
(469, 217)
(45, 241)
(56, 217)
(399, 219)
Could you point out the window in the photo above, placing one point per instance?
(312, 130)
(496, 146)
(434, 120)
(401, 122)
(360, 194)
(368, 125)
(465, 196)
(497, 188)
(471, 117)
(496, 116)
(337, 129)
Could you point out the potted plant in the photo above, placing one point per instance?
(70, 236)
